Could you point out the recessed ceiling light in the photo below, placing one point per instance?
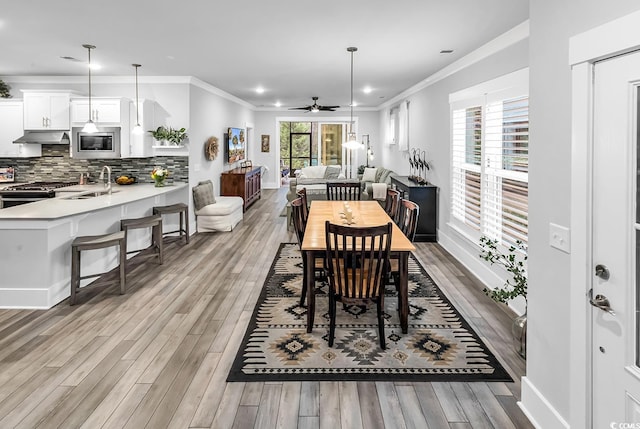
(260, 90)
(367, 90)
(355, 104)
(94, 66)
(446, 51)
(278, 104)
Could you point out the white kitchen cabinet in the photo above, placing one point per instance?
(11, 113)
(140, 145)
(103, 110)
(46, 110)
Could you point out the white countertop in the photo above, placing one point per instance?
(63, 206)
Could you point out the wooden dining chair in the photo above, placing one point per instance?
(299, 226)
(343, 191)
(302, 193)
(357, 261)
(407, 221)
(391, 203)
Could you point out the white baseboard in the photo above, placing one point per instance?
(24, 299)
(538, 410)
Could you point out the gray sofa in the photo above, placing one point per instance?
(382, 175)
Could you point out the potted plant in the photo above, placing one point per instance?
(177, 136)
(513, 261)
(161, 134)
(4, 90)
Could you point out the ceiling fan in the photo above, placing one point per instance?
(315, 107)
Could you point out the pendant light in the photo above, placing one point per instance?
(89, 127)
(137, 129)
(352, 139)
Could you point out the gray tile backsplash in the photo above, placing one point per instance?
(56, 165)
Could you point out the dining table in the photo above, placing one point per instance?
(364, 214)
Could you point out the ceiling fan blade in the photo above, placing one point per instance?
(330, 107)
(300, 108)
(326, 108)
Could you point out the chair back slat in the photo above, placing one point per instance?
(391, 203)
(357, 259)
(407, 220)
(302, 193)
(299, 222)
(343, 191)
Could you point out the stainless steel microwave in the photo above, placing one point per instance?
(103, 144)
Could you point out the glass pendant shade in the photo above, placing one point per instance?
(137, 130)
(90, 127)
(352, 141)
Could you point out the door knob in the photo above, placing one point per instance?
(601, 302)
(602, 271)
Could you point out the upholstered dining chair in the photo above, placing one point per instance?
(407, 221)
(302, 193)
(343, 191)
(357, 261)
(391, 203)
(299, 224)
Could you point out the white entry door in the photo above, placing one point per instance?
(616, 236)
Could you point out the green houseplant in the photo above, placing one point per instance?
(160, 134)
(177, 136)
(513, 260)
(4, 90)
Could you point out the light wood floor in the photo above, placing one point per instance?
(159, 355)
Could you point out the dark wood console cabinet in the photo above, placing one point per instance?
(242, 182)
(426, 197)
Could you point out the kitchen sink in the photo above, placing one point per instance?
(86, 196)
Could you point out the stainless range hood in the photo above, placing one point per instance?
(44, 137)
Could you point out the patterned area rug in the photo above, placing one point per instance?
(440, 345)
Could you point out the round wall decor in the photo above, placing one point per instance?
(211, 148)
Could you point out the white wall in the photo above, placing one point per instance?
(265, 123)
(552, 23)
(211, 115)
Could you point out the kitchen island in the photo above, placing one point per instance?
(35, 267)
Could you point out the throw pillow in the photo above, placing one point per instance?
(332, 172)
(203, 194)
(385, 176)
(369, 175)
(314, 171)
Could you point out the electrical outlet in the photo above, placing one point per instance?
(559, 237)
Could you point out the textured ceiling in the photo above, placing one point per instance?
(292, 49)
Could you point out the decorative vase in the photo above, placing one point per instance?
(519, 332)
(159, 182)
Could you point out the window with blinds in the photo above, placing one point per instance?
(490, 165)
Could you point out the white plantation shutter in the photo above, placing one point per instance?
(467, 143)
(506, 178)
(490, 163)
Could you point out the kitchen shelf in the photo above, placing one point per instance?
(169, 147)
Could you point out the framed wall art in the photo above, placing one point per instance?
(265, 143)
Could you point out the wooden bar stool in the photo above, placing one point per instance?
(181, 208)
(155, 223)
(91, 243)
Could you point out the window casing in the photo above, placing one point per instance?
(490, 162)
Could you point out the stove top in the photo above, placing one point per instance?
(37, 186)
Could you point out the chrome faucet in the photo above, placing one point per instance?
(107, 185)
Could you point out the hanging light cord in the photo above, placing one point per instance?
(89, 49)
(137, 109)
(352, 50)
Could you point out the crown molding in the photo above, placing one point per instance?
(516, 34)
(217, 91)
(186, 80)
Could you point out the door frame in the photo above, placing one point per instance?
(318, 119)
(613, 38)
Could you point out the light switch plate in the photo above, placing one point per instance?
(559, 237)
